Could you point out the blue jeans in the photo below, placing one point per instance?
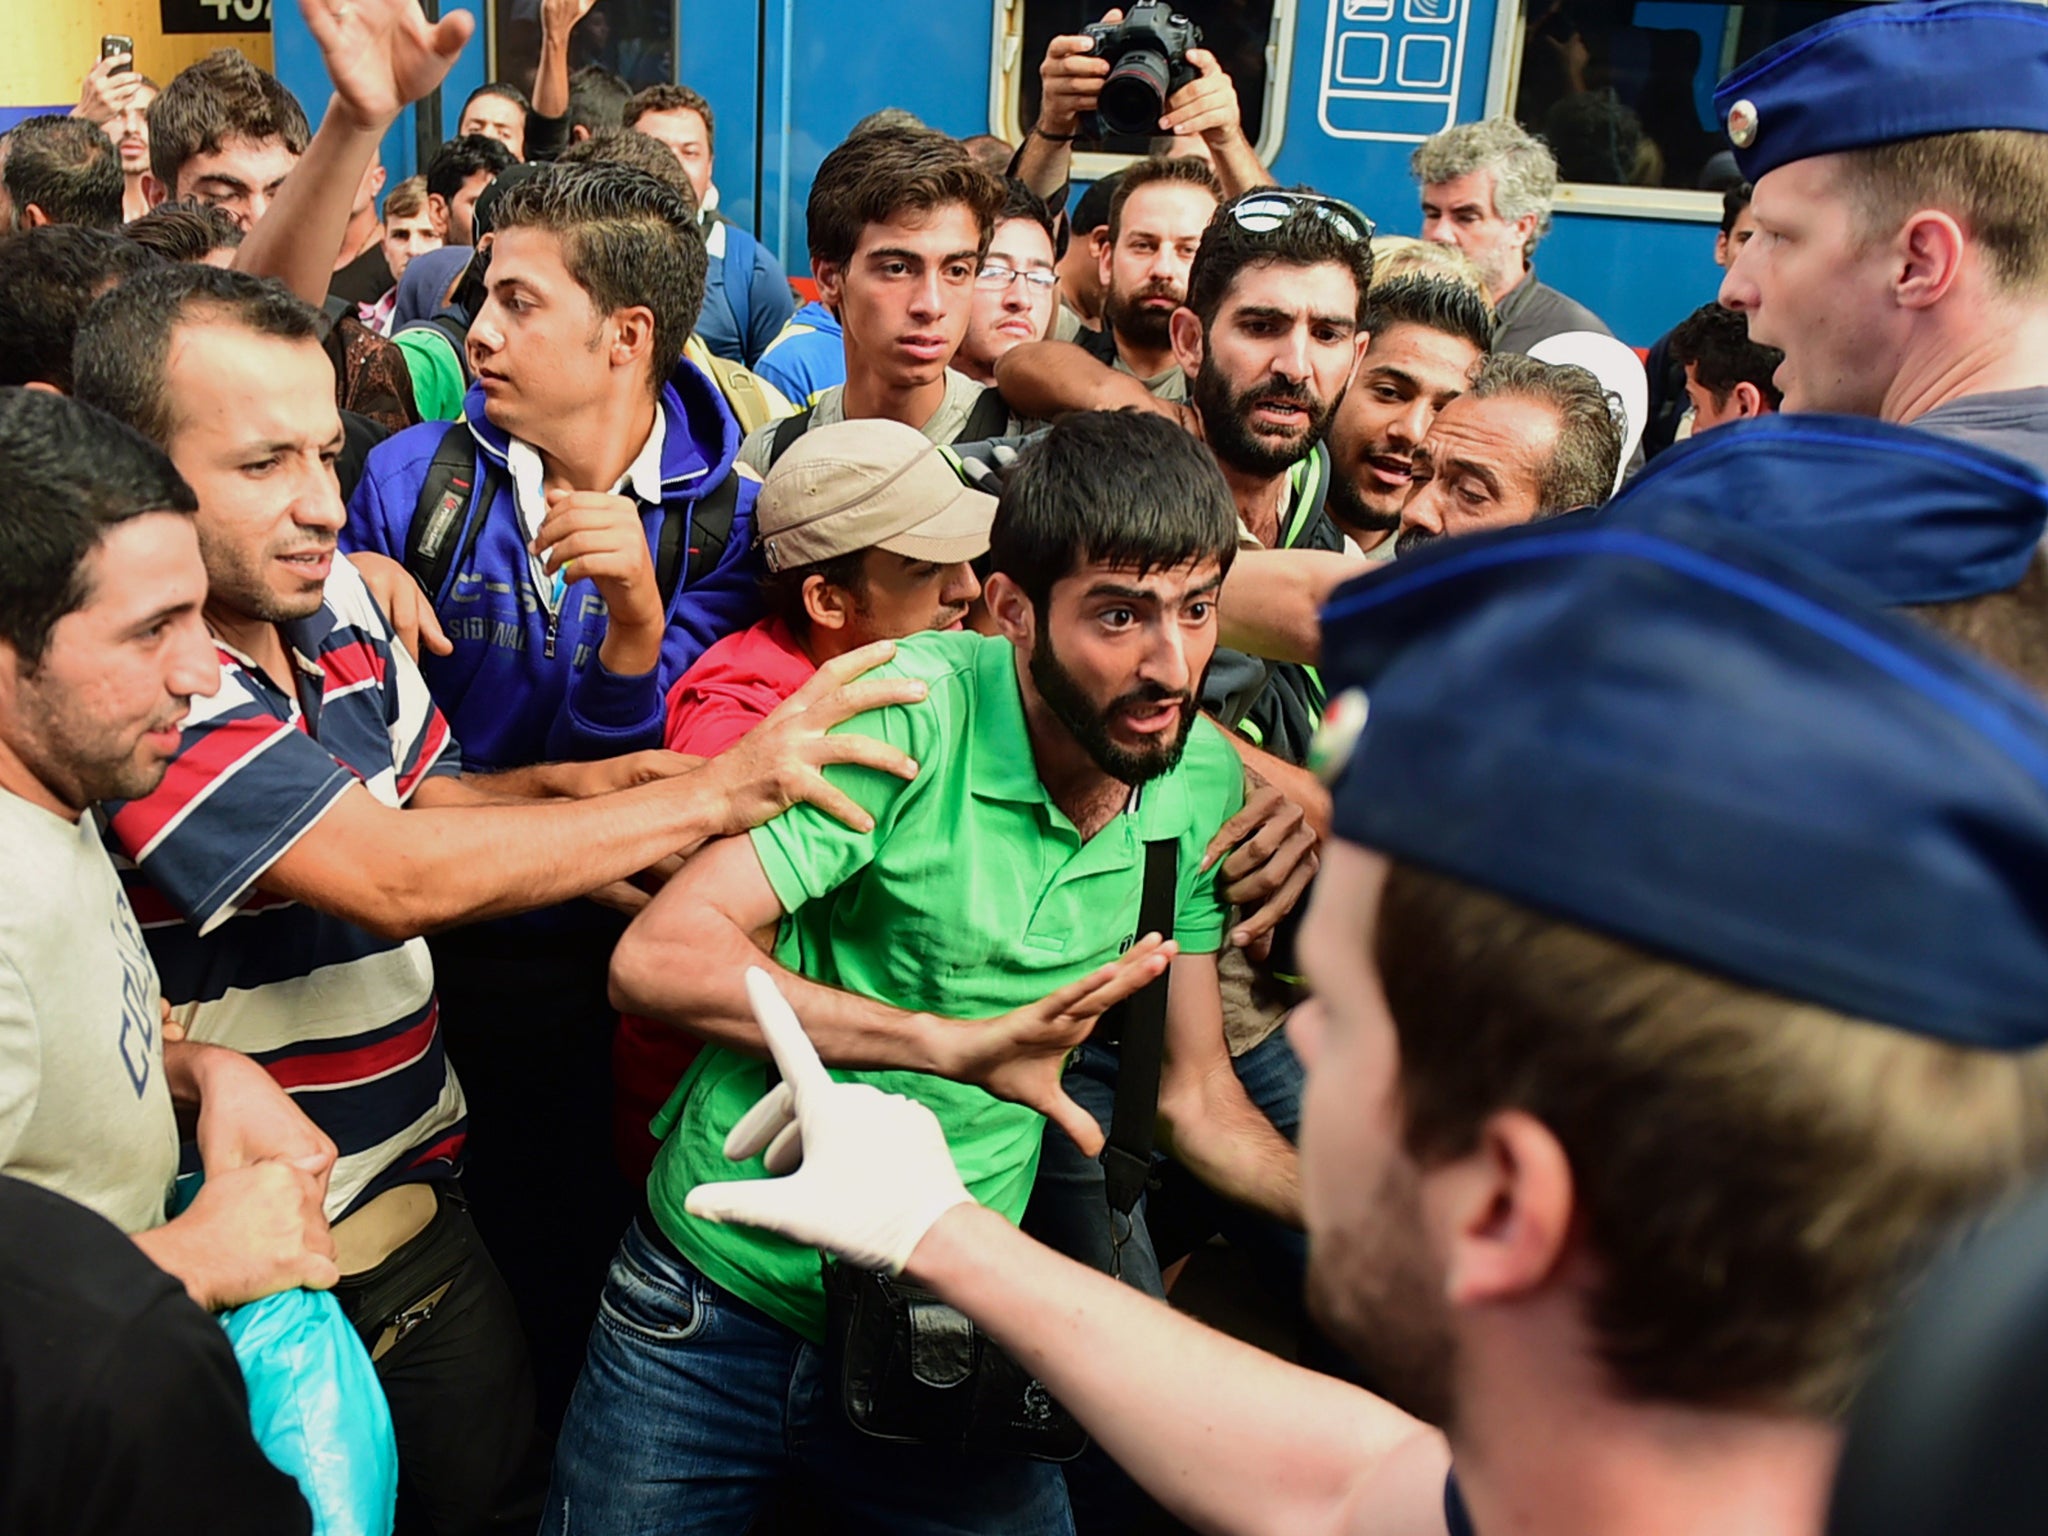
(693, 1404)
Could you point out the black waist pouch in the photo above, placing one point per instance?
(913, 1369)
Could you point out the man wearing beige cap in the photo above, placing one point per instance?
(865, 532)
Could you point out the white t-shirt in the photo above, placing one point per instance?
(84, 1108)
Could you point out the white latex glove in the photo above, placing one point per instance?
(872, 1173)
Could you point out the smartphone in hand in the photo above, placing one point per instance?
(113, 45)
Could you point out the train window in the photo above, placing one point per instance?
(635, 38)
(1252, 38)
(1623, 90)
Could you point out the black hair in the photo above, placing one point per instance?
(1733, 201)
(459, 159)
(628, 239)
(628, 146)
(67, 475)
(597, 100)
(48, 279)
(68, 168)
(1020, 202)
(1437, 303)
(1123, 488)
(1092, 211)
(782, 592)
(497, 88)
(124, 345)
(1715, 343)
(1304, 238)
(185, 229)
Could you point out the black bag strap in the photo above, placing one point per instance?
(1140, 1034)
(710, 519)
(787, 431)
(449, 514)
(988, 418)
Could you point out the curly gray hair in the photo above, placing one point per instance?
(1524, 170)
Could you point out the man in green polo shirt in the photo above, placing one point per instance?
(957, 950)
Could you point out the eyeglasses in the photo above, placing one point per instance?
(994, 276)
(1260, 213)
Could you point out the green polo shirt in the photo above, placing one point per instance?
(972, 896)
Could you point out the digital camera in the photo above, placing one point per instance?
(1148, 62)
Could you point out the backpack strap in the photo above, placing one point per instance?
(446, 519)
(1137, 1027)
(991, 413)
(710, 519)
(787, 431)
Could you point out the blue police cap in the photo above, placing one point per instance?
(1917, 517)
(1883, 73)
(1672, 732)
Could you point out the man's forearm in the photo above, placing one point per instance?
(300, 234)
(1238, 166)
(551, 79)
(1223, 1139)
(1227, 1437)
(1297, 784)
(1045, 165)
(687, 966)
(1043, 379)
(1273, 600)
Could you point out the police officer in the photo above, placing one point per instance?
(1900, 156)
(1684, 905)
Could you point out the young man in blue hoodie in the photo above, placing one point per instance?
(592, 542)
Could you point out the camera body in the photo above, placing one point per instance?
(1148, 62)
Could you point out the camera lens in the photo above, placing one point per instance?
(1134, 96)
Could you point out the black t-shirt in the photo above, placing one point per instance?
(365, 280)
(121, 1407)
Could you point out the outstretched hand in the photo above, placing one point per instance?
(384, 55)
(863, 1173)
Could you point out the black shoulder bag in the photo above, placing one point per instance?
(912, 1368)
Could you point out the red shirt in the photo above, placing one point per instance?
(732, 688)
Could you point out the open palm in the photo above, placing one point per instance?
(384, 55)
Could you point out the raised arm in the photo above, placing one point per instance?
(1249, 1444)
(1043, 379)
(1273, 600)
(558, 19)
(382, 56)
(1208, 105)
(1070, 79)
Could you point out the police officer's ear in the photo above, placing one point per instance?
(1503, 1215)
(1189, 345)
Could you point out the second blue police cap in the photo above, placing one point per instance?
(1882, 73)
(1675, 733)
(1918, 517)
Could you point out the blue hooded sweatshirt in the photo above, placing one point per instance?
(508, 700)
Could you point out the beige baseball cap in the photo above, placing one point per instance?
(858, 485)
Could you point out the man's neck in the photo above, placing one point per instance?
(599, 446)
(869, 397)
(1607, 1467)
(2010, 354)
(1259, 499)
(1087, 796)
(1515, 279)
(17, 778)
(258, 639)
(1145, 362)
(364, 227)
(134, 201)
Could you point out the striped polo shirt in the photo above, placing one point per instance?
(344, 1020)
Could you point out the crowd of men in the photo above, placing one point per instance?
(1123, 720)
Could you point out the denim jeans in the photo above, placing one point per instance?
(693, 1404)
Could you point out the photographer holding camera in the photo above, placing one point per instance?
(1148, 49)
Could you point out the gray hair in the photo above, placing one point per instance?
(1524, 170)
(1584, 463)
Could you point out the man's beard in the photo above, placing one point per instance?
(1349, 510)
(1071, 706)
(235, 581)
(1137, 324)
(1376, 1290)
(1225, 421)
(82, 760)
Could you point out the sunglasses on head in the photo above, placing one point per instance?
(1260, 213)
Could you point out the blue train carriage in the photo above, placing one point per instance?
(1337, 92)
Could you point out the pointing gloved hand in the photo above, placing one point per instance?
(872, 1172)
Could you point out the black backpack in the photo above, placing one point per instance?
(987, 419)
(455, 499)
